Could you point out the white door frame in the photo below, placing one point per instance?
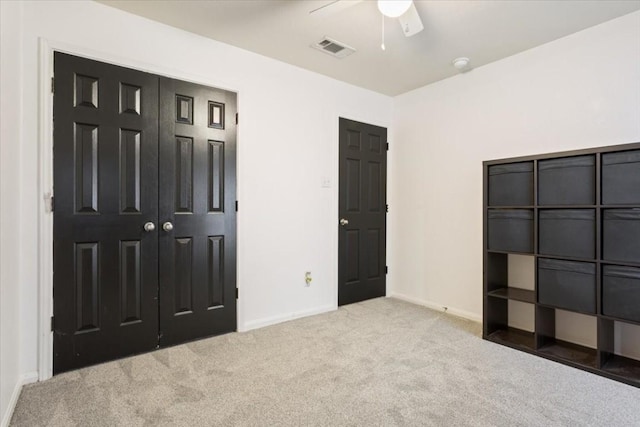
(45, 180)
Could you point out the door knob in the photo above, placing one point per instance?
(344, 221)
(149, 227)
(167, 226)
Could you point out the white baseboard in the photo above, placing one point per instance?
(438, 307)
(28, 378)
(261, 323)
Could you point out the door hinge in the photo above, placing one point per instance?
(237, 294)
(236, 206)
(236, 118)
(387, 208)
(386, 269)
(387, 146)
(52, 323)
(48, 202)
(53, 85)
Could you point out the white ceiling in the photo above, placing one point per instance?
(484, 31)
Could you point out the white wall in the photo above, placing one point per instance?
(577, 92)
(10, 243)
(287, 143)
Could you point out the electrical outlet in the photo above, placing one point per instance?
(307, 278)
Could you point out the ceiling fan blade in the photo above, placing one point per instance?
(410, 22)
(332, 7)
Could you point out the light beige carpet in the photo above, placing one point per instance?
(383, 362)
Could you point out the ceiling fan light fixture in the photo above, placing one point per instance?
(394, 8)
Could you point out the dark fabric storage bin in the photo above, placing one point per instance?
(621, 178)
(621, 292)
(510, 230)
(621, 235)
(568, 232)
(511, 184)
(567, 284)
(567, 181)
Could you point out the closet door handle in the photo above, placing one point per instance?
(167, 226)
(149, 227)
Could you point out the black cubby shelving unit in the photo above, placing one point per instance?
(577, 214)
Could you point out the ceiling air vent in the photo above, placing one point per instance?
(333, 47)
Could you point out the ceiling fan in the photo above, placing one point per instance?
(406, 13)
(402, 10)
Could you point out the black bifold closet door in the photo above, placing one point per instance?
(144, 217)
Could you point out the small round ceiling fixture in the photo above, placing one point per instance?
(394, 8)
(460, 63)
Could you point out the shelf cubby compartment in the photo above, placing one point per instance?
(560, 335)
(619, 353)
(567, 232)
(511, 323)
(621, 178)
(567, 285)
(621, 292)
(621, 235)
(567, 181)
(510, 230)
(511, 184)
(511, 304)
(623, 367)
(515, 280)
(513, 337)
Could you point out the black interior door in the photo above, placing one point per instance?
(197, 199)
(144, 218)
(106, 189)
(362, 209)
